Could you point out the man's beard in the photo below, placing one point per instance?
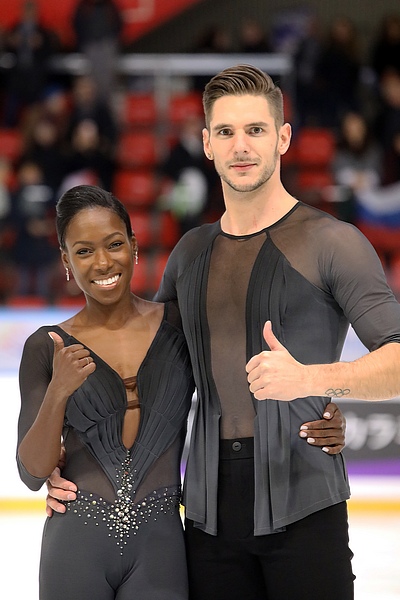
(251, 187)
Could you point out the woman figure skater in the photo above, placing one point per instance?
(113, 384)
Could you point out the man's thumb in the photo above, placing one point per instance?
(269, 337)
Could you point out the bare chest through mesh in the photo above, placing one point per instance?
(231, 265)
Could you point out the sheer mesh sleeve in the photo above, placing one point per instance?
(337, 258)
(34, 376)
(359, 286)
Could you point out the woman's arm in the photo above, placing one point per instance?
(39, 448)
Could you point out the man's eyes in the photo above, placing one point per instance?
(254, 130)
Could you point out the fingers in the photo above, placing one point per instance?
(333, 449)
(53, 505)
(330, 410)
(79, 352)
(58, 489)
(327, 433)
(329, 442)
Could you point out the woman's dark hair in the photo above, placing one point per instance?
(86, 196)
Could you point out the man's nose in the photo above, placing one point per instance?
(241, 143)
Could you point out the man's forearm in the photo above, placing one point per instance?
(375, 376)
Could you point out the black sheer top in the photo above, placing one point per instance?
(312, 276)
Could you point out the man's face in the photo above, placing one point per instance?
(243, 141)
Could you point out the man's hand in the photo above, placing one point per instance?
(274, 374)
(59, 489)
(329, 432)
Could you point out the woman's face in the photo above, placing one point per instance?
(100, 254)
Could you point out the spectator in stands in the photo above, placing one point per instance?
(98, 25)
(391, 172)
(194, 185)
(44, 147)
(339, 72)
(360, 167)
(357, 166)
(31, 45)
(385, 52)
(86, 104)
(54, 106)
(87, 155)
(35, 251)
(388, 117)
(252, 38)
(306, 58)
(216, 39)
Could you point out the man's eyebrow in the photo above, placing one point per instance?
(219, 126)
(222, 126)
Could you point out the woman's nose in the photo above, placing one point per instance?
(103, 260)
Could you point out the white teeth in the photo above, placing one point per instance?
(108, 281)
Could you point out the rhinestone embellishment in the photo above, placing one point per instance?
(124, 517)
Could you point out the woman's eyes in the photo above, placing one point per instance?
(113, 246)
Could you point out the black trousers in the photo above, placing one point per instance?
(310, 559)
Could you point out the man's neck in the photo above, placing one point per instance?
(246, 214)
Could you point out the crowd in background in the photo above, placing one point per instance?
(70, 126)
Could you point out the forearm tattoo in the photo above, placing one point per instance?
(337, 393)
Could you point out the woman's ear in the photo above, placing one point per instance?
(135, 248)
(64, 259)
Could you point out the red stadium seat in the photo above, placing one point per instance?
(183, 105)
(139, 110)
(168, 230)
(143, 226)
(135, 188)
(315, 179)
(11, 144)
(140, 279)
(137, 149)
(314, 146)
(160, 260)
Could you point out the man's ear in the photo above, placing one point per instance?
(206, 144)
(284, 137)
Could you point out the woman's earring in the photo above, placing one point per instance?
(67, 273)
(136, 256)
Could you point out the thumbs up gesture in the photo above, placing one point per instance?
(274, 374)
(71, 365)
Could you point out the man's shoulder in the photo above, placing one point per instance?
(320, 222)
(197, 239)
